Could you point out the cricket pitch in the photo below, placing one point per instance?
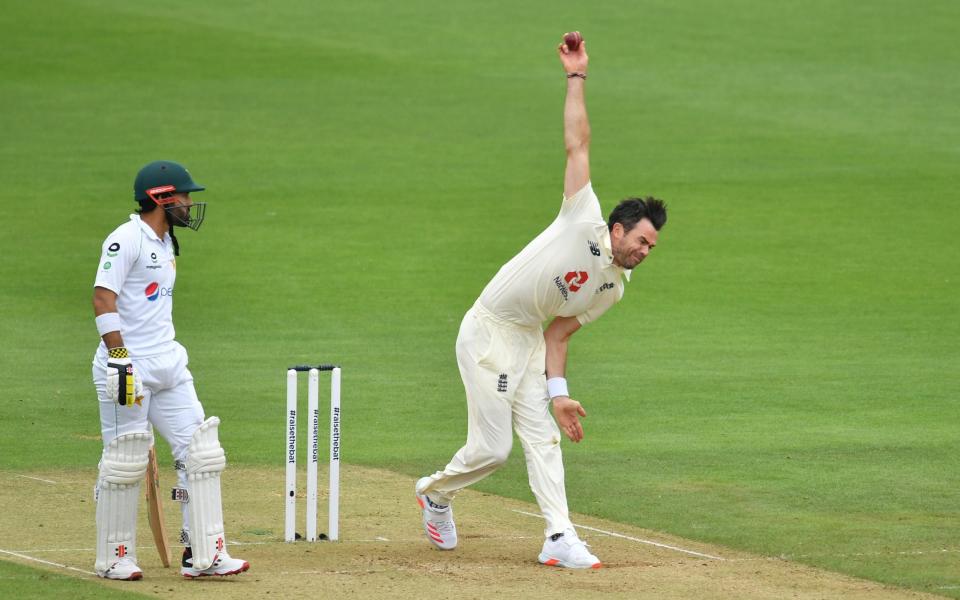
(49, 517)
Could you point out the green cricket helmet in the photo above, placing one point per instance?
(157, 182)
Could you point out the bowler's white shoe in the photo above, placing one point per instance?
(437, 519)
(124, 569)
(222, 565)
(568, 550)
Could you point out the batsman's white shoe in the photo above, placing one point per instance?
(124, 569)
(437, 520)
(223, 565)
(568, 550)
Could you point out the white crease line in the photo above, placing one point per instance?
(34, 550)
(46, 562)
(852, 554)
(33, 478)
(627, 537)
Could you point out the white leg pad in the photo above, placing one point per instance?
(122, 467)
(205, 461)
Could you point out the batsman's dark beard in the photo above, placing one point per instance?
(193, 218)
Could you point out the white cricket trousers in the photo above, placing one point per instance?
(169, 403)
(503, 370)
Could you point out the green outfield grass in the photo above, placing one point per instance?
(782, 374)
(18, 581)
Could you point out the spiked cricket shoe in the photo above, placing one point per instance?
(223, 565)
(569, 551)
(437, 520)
(124, 569)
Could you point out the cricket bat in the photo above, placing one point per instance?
(155, 509)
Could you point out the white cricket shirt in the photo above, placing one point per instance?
(566, 271)
(141, 269)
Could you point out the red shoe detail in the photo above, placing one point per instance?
(552, 562)
(244, 567)
(596, 566)
(420, 502)
(433, 533)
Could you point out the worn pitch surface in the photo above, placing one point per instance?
(384, 553)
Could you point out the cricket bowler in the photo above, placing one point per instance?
(141, 377)
(512, 368)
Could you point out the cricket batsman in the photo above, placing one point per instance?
(512, 368)
(141, 377)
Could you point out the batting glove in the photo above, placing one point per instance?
(123, 385)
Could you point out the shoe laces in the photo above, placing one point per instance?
(572, 540)
(581, 548)
(124, 562)
(443, 525)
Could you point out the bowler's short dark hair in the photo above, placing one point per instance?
(631, 210)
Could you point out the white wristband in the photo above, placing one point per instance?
(108, 322)
(557, 386)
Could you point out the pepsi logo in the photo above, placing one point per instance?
(154, 291)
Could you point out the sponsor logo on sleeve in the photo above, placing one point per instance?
(113, 249)
(107, 265)
(594, 247)
(606, 286)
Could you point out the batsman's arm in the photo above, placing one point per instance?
(123, 383)
(105, 302)
(576, 126)
(566, 410)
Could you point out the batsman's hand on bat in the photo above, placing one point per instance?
(567, 412)
(123, 385)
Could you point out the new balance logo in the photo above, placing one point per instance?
(502, 383)
(594, 248)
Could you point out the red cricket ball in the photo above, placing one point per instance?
(572, 40)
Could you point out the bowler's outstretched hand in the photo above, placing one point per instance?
(567, 412)
(573, 60)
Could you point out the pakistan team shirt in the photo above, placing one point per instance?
(140, 268)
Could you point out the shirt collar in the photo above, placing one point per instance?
(146, 228)
(606, 247)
